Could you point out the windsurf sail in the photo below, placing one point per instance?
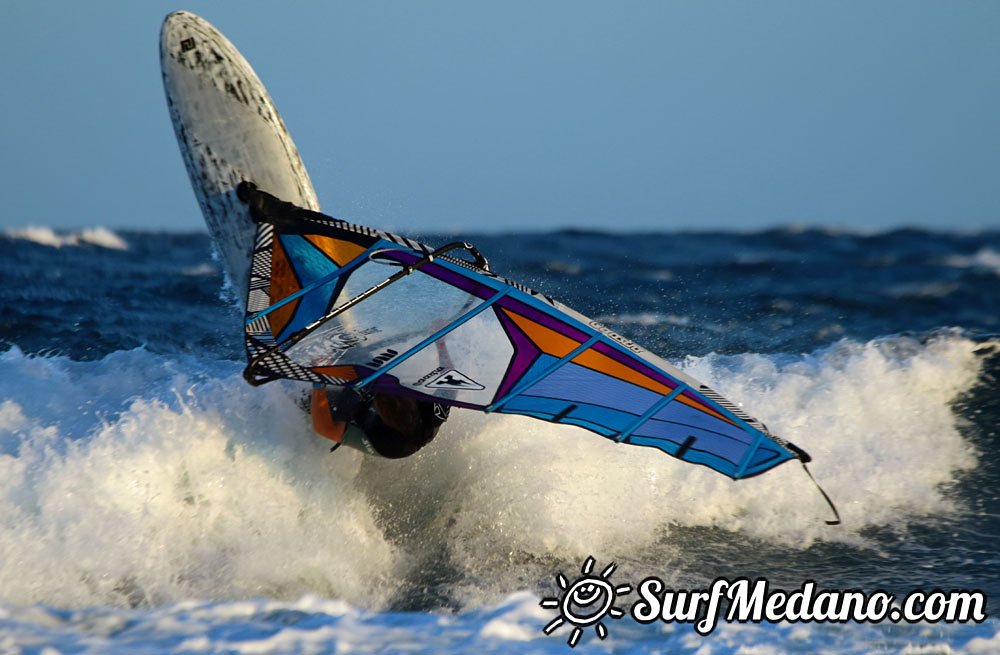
(336, 303)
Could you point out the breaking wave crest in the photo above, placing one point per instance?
(140, 479)
(46, 236)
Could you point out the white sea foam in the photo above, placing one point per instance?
(875, 417)
(142, 479)
(46, 236)
(201, 270)
(563, 267)
(646, 319)
(137, 480)
(922, 290)
(661, 275)
(985, 258)
(312, 625)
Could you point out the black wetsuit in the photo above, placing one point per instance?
(379, 438)
(393, 444)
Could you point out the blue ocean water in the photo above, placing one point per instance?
(151, 501)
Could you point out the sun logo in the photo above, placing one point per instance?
(585, 602)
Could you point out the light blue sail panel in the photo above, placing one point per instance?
(682, 415)
(719, 445)
(582, 385)
(605, 421)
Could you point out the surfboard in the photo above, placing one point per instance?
(228, 131)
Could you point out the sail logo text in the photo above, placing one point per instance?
(614, 336)
(590, 599)
(439, 369)
(382, 358)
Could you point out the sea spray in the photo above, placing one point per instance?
(182, 481)
(184, 488)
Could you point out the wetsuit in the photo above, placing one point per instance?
(383, 425)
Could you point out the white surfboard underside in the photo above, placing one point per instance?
(228, 131)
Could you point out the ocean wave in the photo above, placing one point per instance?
(201, 270)
(984, 258)
(313, 624)
(141, 479)
(46, 236)
(646, 319)
(920, 290)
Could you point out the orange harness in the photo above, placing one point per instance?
(322, 418)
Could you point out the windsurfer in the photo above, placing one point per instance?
(379, 424)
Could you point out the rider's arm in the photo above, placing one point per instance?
(322, 417)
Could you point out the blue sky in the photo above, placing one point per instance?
(493, 116)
